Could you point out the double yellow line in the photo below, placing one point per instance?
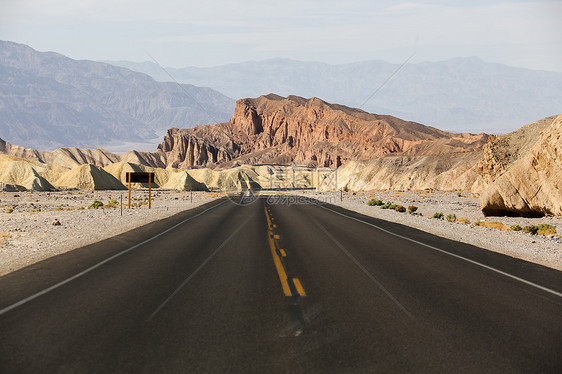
(291, 285)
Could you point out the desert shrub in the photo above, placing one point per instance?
(112, 204)
(493, 225)
(545, 229)
(515, 228)
(386, 205)
(459, 194)
(531, 229)
(412, 209)
(95, 205)
(374, 202)
(392, 206)
(438, 215)
(400, 209)
(451, 217)
(464, 221)
(9, 210)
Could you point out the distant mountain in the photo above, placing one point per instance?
(48, 101)
(462, 94)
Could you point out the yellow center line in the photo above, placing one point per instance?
(276, 260)
(299, 287)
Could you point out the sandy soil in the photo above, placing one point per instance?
(540, 249)
(27, 234)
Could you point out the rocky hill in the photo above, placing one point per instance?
(274, 129)
(48, 101)
(528, 180)
(502, 151)
(72, 156)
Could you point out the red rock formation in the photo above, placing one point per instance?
(273, 129)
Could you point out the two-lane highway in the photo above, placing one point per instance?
(267, 286)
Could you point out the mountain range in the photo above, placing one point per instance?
(516, 174)
(461, 94)
(49, 101)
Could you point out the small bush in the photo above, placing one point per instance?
(515, 228)
(492, 225)
(112, 204)
(9, 210)
(400, 209)
(438, 215)
(95, 205)
(392, 206)
(464, 221)
(545, 229)
(374, 202)
(459, 194)
(412, 209)
(531, 229)
(386, 205)
(451, 217)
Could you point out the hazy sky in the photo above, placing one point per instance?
(213, 32)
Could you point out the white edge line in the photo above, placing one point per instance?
(197, 270)
(450, 254)
(55, 286)
(363, 269)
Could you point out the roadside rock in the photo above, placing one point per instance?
(532, 186)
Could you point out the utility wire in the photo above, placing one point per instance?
(388, 79)
(183, 88)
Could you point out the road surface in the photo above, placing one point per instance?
(272, 287)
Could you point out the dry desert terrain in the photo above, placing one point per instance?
(27, 233)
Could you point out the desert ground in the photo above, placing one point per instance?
(27, 233)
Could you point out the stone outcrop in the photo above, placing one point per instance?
(88, 177)
(71, 156)
(502, 151)
(532, 185)
(277, 130)
(455, 171)
(21, 174)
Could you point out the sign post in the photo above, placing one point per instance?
(141, 177)
(129, 179)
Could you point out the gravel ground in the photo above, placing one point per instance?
(540, 249)
(27, 234)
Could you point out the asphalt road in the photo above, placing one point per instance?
(272, 287)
